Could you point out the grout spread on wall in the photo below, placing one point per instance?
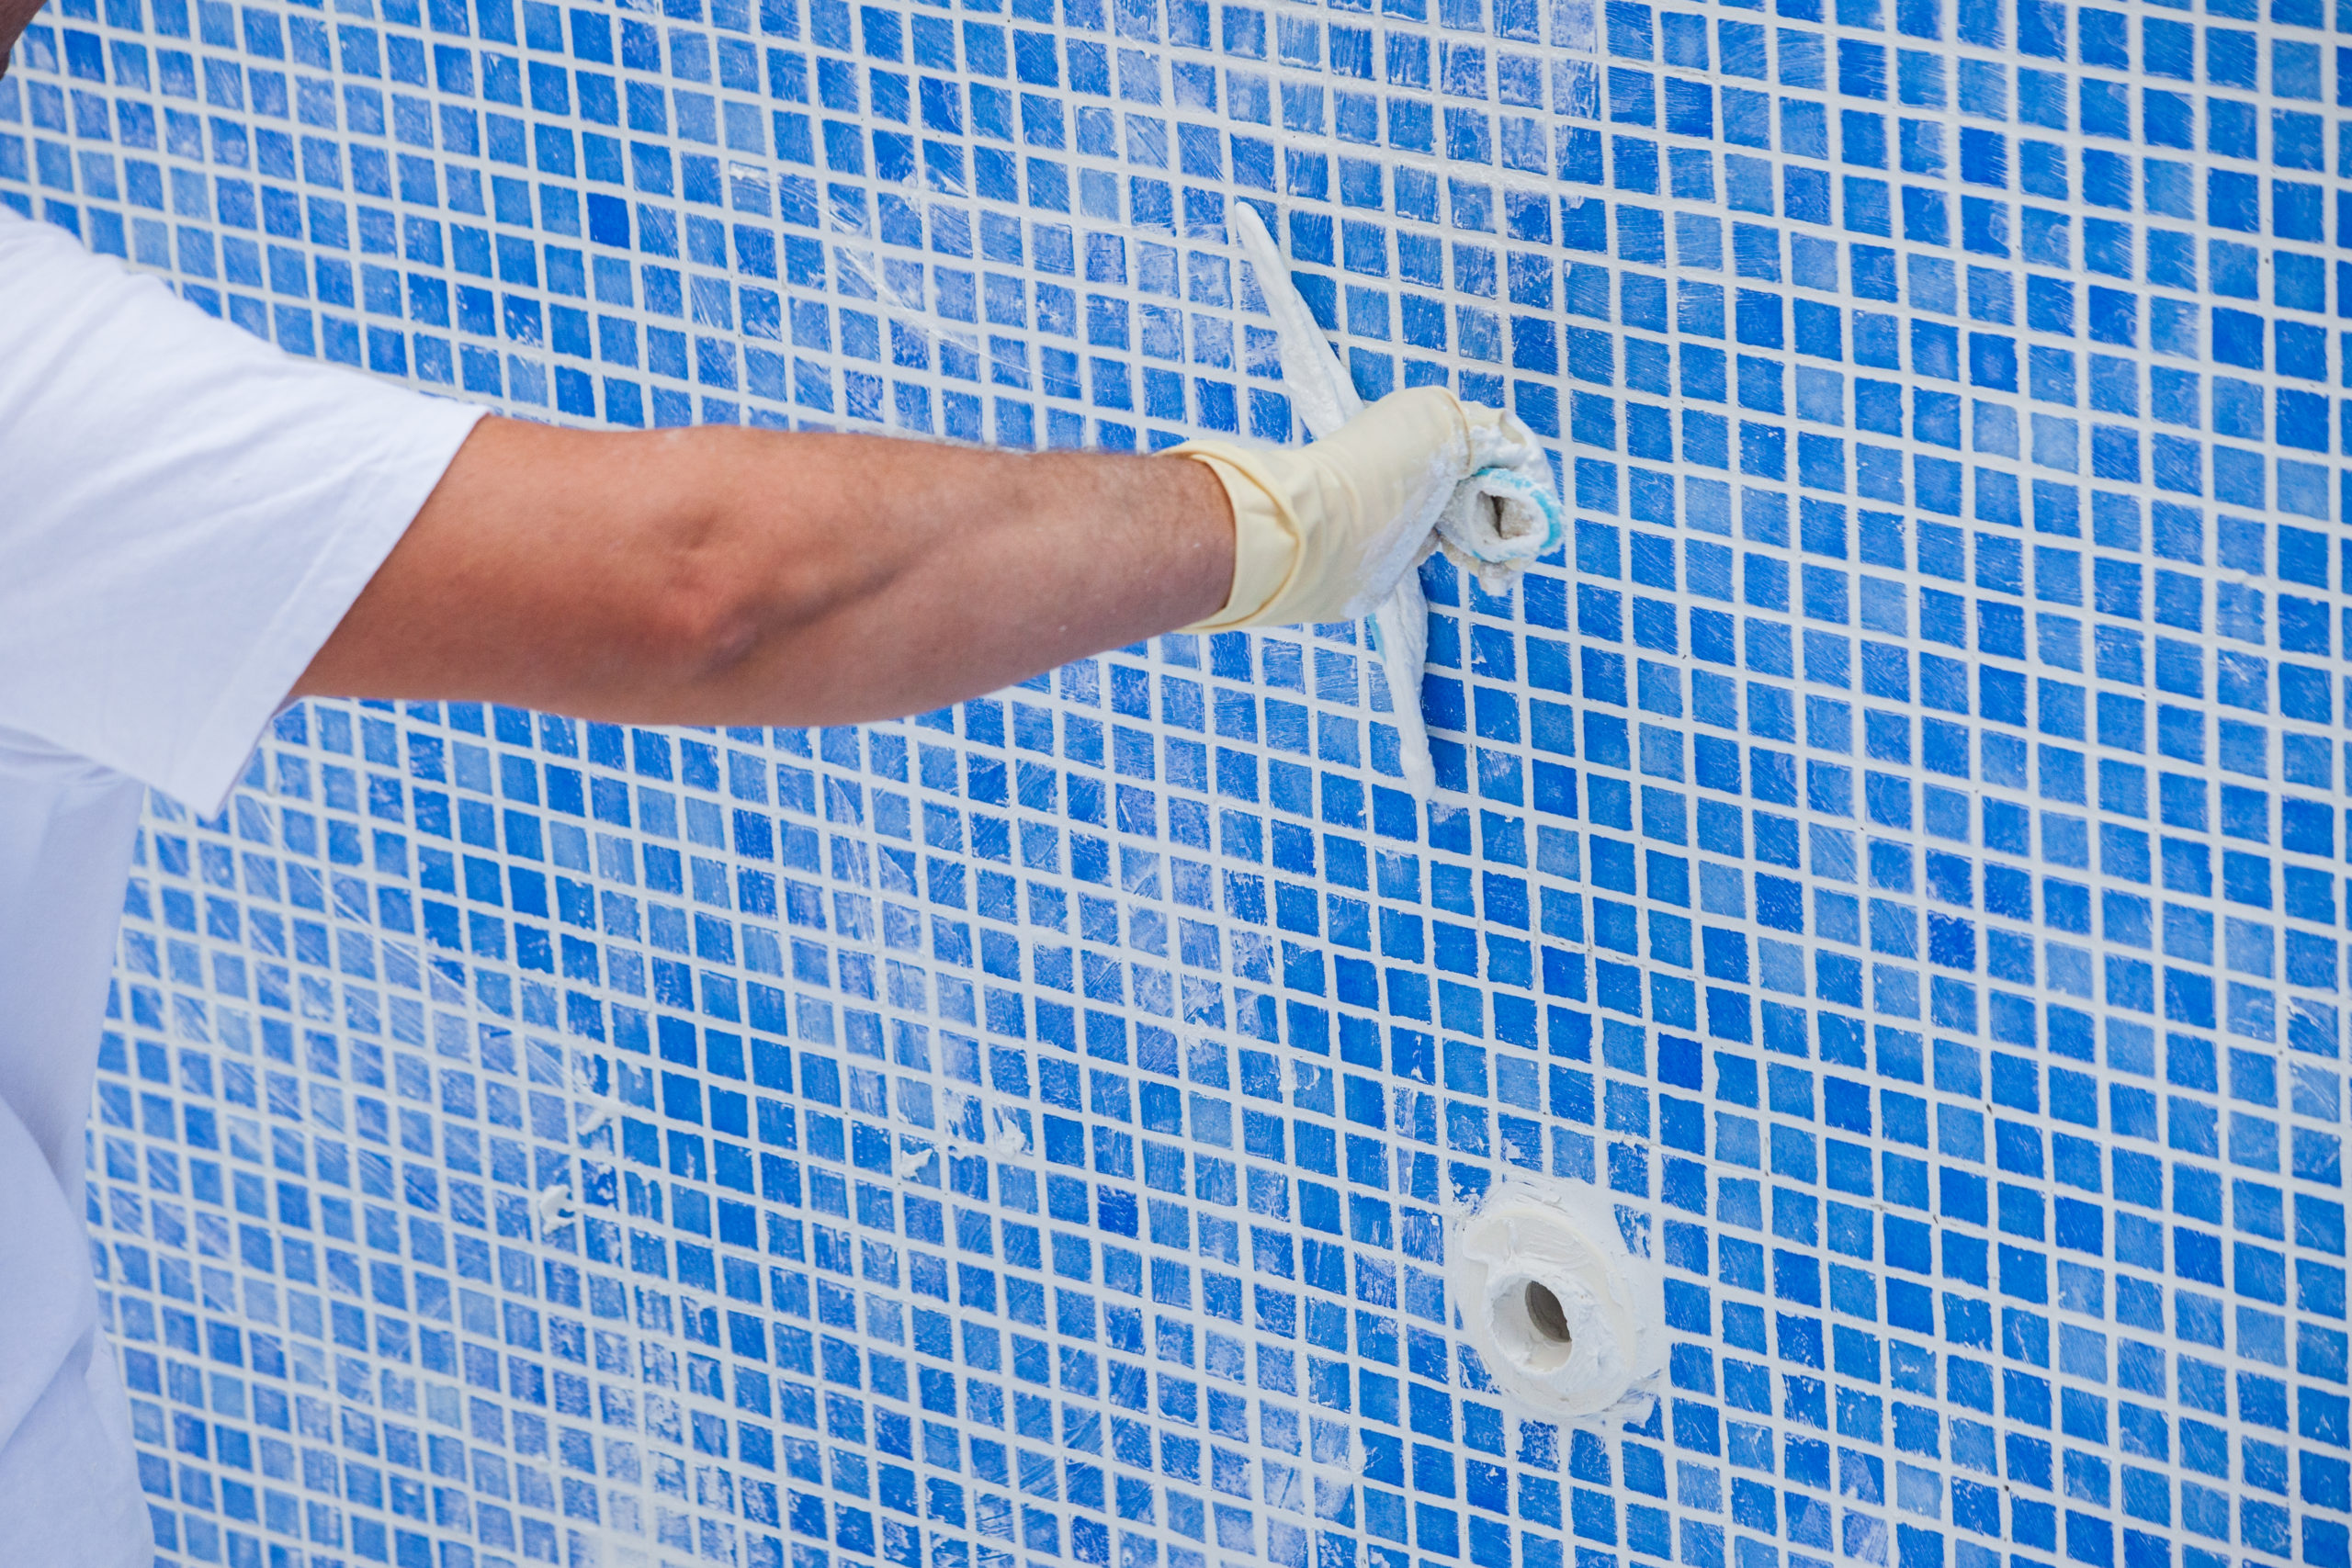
(1893, 845)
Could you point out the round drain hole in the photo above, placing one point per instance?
(1543, 1312)
(1563, 1313)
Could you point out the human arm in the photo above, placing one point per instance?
(724, 576)
(201, 526)
(14, 16)
(729, 576)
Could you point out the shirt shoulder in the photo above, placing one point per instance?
(190, 513)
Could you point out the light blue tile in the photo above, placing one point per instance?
(1896, 852)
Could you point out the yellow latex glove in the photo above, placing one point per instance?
(1322, 533)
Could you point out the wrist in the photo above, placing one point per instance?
(1261, 539)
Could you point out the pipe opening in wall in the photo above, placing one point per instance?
(1532, 1326)
(1563, 1311)
(1543, 1312)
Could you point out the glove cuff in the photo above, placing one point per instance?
(1265, 533)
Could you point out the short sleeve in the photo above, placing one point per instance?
(185, 515)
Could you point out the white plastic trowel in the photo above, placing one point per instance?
(1326, 398)
(1497, 521)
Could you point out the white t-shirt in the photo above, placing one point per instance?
(186, 514)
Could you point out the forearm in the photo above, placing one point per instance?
(914, 575)
(722, 576)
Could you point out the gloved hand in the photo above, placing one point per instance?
(1322, 533)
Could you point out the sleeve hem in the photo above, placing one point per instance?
(209, 770)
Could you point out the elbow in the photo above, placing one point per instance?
(723, 600)
(707, 637)
(701, 628)
(732, 578)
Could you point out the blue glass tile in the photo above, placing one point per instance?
(1896, 852)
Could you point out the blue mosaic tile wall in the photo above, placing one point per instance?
(1897, 854)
